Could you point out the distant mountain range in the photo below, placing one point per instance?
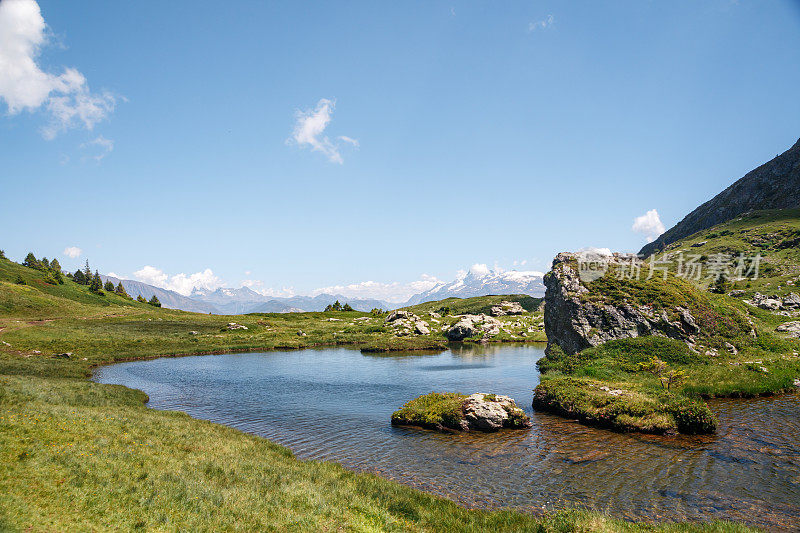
(773, 185)
(168, 299)
(484, 282)
(228, 301)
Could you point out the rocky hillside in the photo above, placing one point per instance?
(773, 185)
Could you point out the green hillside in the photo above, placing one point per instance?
(773, 234)
(475, 305)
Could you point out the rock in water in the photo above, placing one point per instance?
(451, 411)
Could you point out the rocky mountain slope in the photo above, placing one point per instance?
(773, 185)
(244, 300)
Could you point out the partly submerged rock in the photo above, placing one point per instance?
(452, 411)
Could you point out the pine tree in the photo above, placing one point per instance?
(30, 261)
(87, 273)
(2, 254)
(55, 265)
(96, 284)
(140, 298)
(346, 307)
(154, 301)
(44, 264)
(19, 280)
(109, 286)
(58, 276)
(121, 290)
(78, 277)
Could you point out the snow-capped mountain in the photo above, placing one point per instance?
(244, 300)
(481, 281)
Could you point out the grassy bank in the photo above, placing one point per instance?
(78, 456)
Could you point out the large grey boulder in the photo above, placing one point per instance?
(488, 412)
(574, 323)
(792, 301)
(790, 327)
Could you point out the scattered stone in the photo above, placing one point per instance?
(6, 344)
(613, 392)
(507, 308)
(699, 244)
(65, 355)
(234, 325)
(792, 301)
(731, 348)
(789, 327)
(421, 328)
(736, 293)
(399, 314)
(334, 320)
(362, 319)
(797, 382)
(35, 352)
(301, 333)
(194, 332)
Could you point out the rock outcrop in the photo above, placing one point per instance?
(471, 325)
(507, 308)
(451, 411)
(407, 323)
(573, 322)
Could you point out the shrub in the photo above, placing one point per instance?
(19, 280)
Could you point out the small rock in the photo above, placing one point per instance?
(334, 320)
(300, 333)
(65, 355)
(194, 332)
(421, 328)
(789, 327)
(731, 348)
(37, 352)
(234, 325)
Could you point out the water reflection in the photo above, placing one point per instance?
(749, 471)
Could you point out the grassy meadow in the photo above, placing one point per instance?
(81, 456)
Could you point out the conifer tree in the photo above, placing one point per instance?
(154, 301)
(30, 261)
(121, 290)
(55, 265)
(44, 264)
(2, 254)
(96, 284)
(140, 298)
(109, 286)
(79, 278)
(87, 273)
(57, 276)
(19, 280)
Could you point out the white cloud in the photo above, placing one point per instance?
(258, 286)
(72, 251)
(101, 146)
(394, 292)
(309, 130)
(541, 24)
(180, 283)
(113, 275)
(649, 225)
(24, 86)
(595, 250)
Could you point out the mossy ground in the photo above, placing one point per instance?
(436, 410)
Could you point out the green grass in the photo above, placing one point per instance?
(79, 456)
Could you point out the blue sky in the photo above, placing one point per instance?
(297, 146)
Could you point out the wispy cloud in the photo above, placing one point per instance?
(24, 86)
(309, 130)
(394, 292)
(543, 24)
(180, 283)
(72, 251)
(101, 146)
(649, 225)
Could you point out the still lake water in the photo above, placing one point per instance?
(335, 404)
